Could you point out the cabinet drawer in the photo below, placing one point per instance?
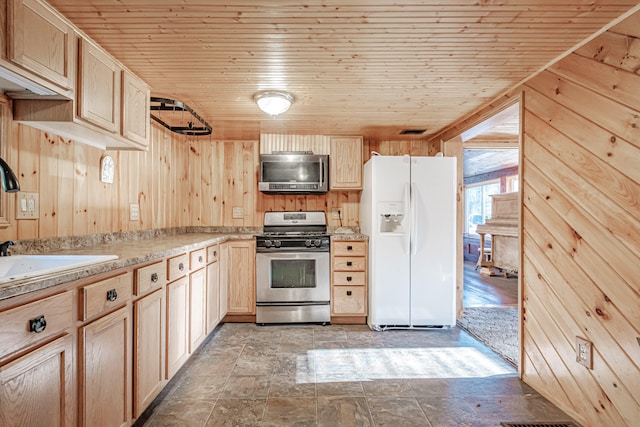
(177, 267)
(349, 263)
(349, 248)
(349, 278)
(150, 277)
(197, 259)
(104, 295)
(212, 253)
(348, 300)
(25, 325)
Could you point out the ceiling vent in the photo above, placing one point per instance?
(412, 131)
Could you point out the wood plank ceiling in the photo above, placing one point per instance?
(367, 68)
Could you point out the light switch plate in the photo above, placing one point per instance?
(238, 212)
(28, 205)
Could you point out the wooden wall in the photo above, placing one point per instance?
(581, 229)
(180, 181)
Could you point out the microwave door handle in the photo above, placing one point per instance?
(321, 161)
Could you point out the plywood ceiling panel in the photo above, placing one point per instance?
(367, 68)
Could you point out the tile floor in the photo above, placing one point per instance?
(307, 375)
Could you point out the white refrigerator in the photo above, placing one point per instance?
(408, 210)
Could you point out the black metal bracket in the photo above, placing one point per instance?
(166, 104)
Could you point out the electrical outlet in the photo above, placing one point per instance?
(134, 212)
(584, 352)
(336, 213)
(238, 212)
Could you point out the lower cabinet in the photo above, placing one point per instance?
(149, 346)
(348, 281)
(241, 260)
(177, 325)
(39, 386)
(213, 295)
(197, 308)
(105, 370)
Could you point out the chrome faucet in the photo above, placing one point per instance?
(4, 248)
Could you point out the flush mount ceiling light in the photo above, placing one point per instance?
(273, 102)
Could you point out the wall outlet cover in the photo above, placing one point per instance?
(238, 212)
(584, 352)
(134, 212)
(28, 205)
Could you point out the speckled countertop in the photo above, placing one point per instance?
(131, 249)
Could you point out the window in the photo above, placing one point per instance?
(512, 183)
(478, 204)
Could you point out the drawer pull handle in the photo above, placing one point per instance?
(348, 293)
(349, 248)
(38, 324)
(348, 278)
(112, 295)
(154, 277)
(181, 266)
(215, 253)
(349, 263)
(200, 258)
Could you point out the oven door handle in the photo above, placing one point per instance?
(291, 304)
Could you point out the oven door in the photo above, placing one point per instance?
(293, 277)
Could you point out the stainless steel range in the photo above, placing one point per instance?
(293, 282)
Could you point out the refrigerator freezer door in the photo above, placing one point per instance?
(433, 247)
(386, 178)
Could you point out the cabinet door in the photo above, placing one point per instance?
(149, 345)
(224, 280)
(99, 87)
(213, 296)
(105, 370)
(197, 308)
(39, 386)
(177, 325)
(242, 284)
(41, 41)
(345, 164)
(135, 109)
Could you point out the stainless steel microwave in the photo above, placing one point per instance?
(294, 173)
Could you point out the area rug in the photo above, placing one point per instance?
(497, 327)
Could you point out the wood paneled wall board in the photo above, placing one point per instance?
(589, 197)
(623, 121)
(622, 296)
(622, 191)
(609, 148)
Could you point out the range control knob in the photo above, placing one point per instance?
(317, 243)
(277, 243)
(308, 243)
(267, 243)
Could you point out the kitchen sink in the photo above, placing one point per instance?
(20, 267)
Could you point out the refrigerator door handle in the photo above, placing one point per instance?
(414, 219)
(407, 206)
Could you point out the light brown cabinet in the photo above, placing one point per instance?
(224, 279)
(40, 40)
(134, 109)
(348, 281)
(241, 281)
(39, 386)
(213, 288)
(345, 163)
(197, 308)
(177, 325)
(149, 349)
(105, 370)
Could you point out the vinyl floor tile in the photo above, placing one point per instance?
(343, 411)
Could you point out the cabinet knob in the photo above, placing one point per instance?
(112, 295)
(348, 293)
(349, 248)
(215, 253)
(349, 263)
(348, 278)
(200, 259)
(154, 277)
(181, 266)
(38, 324)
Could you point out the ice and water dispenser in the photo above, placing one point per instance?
(391, 217)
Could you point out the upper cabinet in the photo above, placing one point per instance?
(99, 82)
(345, 163)
(41, 41)
(104, 105)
